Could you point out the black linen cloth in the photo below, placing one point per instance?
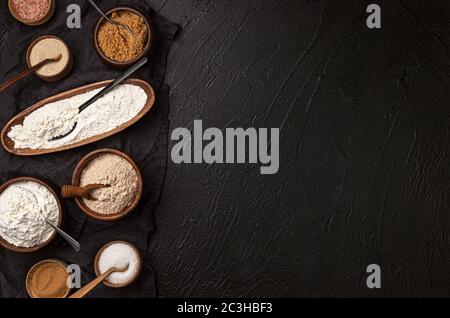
(146, 142)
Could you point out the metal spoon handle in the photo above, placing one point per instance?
(76, 246)
(98, 9)
(109, 19)
(112, 85)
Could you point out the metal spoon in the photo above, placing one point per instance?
(126, 27)
(103, 92)
(76, 246)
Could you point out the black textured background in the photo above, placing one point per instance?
(364, 146)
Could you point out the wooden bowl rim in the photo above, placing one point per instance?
(17, 249)
(56, 77)
(35, 266)
(76, 181)
(146, 48)
(151, 98)
(45, 19)
(138, 273)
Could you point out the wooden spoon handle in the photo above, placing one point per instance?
(21, 75)
(89, 287)
(69, 191)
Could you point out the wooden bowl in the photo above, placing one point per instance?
(59, 76)
(97, 270)
(8, 144)
(76, 182)
(17, 249)
(45, 19)
(31, 271)
(123, 65)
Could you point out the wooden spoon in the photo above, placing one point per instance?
(69, 191)
(89, 287)
(27, 72)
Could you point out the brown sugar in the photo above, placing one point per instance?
(117, 43)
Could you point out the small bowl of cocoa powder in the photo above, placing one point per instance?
(118, 47)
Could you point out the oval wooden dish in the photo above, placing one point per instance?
(17, 249)
(76, 182)
(8, 144)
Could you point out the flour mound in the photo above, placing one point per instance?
(56, 119)
(22, 215)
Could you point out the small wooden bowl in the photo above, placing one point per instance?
(76, 182)
(17, 249)
(97, 270)
(31, 271)
(45, 19)
(59, 76)
(123, 65)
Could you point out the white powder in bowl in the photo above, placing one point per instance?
(119, 255)
(109, 112)
(21, 222)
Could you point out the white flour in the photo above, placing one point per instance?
(21, 222)
(55, 119)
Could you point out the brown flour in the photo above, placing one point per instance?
(50, 48)
(48, 280)
(113, 170)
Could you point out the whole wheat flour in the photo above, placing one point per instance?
(119, 175)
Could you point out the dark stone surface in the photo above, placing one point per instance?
(364, 121)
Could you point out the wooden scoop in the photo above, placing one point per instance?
(69, 191)
(27, 72)
(89, 287)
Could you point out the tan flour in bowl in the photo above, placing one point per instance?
(119, 174)
(49, 48)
